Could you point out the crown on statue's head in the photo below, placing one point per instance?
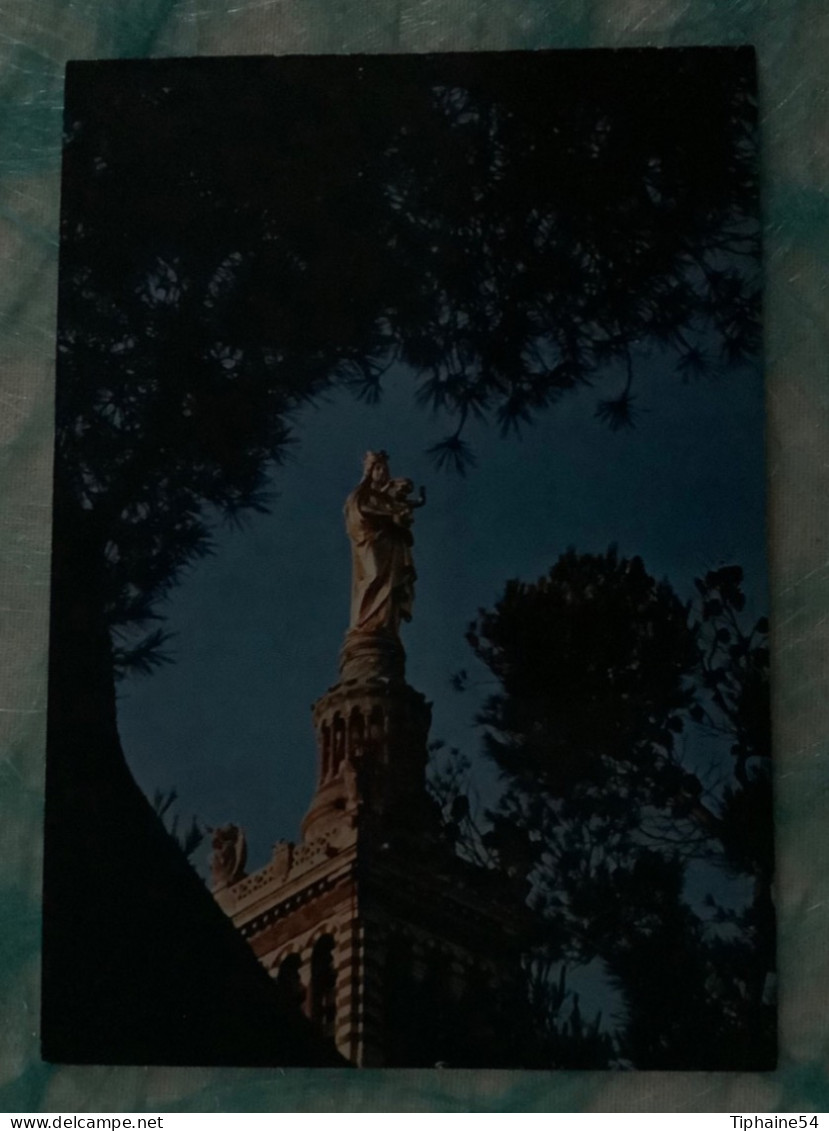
(371, 458)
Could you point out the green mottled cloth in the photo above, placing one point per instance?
(793, 43)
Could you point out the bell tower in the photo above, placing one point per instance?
(402, 953)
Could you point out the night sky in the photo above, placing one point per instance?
(259, 625)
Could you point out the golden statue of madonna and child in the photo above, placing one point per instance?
(379, 514)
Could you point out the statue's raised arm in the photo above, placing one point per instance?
(378, 519)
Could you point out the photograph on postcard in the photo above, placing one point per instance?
(408, 690)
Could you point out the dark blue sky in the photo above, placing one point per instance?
(259, 625)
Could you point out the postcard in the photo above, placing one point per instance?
(408, 697)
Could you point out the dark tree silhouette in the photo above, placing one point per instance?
(189, 838)
(237, 236)
(631, 730)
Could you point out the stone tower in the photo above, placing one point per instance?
(399, 951)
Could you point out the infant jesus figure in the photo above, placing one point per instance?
(401, 506)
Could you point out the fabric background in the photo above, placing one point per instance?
(792, 38)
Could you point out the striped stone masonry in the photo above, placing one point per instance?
(371, 925)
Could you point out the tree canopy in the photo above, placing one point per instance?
(631, 732)
(239, 235)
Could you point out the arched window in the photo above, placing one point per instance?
(324, 986)
(376, 730)
(289, 981)
(356, 733)
(326, 752)
(339, 742)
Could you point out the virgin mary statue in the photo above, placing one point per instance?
(378, 519)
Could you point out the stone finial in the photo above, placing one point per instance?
(230, 851)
